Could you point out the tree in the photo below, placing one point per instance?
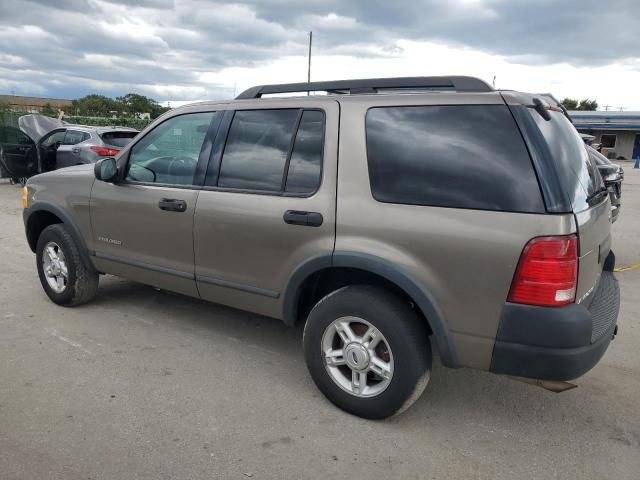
(584, 104)
(49, 111)
(94, 105)
(129, 105)
(587, 104)
(133, 104)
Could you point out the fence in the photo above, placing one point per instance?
(11, 119)
(136, 123)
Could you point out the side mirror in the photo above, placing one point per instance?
(106, 169)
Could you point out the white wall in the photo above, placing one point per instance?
(624, 141)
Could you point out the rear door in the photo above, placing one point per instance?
(268, 203)
(68, 153)
(18, 158)
(581, 181)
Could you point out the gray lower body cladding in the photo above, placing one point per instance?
(557, 343)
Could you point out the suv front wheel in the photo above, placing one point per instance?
(64, 278)
(367, 351)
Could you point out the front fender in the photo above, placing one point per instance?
(66, 219)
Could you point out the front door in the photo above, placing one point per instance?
(18, 156)
(268, 203)
(143, 225)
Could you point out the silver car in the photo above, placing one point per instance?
(42, 144)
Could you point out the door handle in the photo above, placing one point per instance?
(308, 219)
(75, 150)
(172, 205)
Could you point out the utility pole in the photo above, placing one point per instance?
(309, 62)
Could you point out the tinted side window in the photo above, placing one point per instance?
(53, 138)
(450, 156)
(306, 159)
(74, 136)
(256, 150)
(169, 153)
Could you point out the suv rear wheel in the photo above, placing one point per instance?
(367, 351)
(64, 278)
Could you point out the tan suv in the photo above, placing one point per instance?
(388, 215)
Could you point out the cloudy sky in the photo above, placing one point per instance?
(186, 50)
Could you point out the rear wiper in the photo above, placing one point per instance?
(541, 109)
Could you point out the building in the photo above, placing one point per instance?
(21, 104)
(617, 132)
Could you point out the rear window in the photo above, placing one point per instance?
(462, 156)
(577, 173)
(118, 139)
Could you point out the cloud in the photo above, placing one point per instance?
(191, 48)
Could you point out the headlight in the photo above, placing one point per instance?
(25, 200)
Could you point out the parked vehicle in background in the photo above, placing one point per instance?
(42, 144)
(613, 175)
(379, 215)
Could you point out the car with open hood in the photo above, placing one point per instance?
(41, 144)
(612, 175)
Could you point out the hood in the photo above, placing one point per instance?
(37, 126)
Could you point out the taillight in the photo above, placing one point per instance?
(104, 151)
(547, 272)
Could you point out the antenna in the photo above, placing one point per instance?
(309, 62)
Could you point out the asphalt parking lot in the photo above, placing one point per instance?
(144, 384)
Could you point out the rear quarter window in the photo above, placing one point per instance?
(576, 171)
(460, 156)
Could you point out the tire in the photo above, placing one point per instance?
(80, 284)
(403, 349)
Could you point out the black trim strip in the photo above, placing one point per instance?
(292, 142)
(237, 286)
(148, 266)
(190, 276)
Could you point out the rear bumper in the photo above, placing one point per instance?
(557, 343)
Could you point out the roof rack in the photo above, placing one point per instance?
(372, 85)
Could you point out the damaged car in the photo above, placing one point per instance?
(42, 144)
(613, 175)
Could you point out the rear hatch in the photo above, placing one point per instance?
(582, 183)
(117, 139)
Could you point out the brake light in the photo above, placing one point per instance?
(547, 272)
(104, 151)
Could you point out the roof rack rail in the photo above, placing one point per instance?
(372, 85)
